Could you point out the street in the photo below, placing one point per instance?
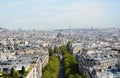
(61, 72)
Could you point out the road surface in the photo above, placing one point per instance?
(61, 72)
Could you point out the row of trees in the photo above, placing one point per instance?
(71, 66)
(18, 74)
(59, 50)
(56, 50)
(51, 70)
(15, 74)
(70, 63)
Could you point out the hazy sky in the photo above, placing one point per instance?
(57, 14)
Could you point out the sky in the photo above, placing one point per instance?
(59, 14)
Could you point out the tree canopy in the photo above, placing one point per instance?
(51, 70)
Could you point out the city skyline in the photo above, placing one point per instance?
(59, 14)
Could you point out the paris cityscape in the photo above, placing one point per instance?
(59, 39)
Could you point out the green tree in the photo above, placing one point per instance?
(4, 75)
(56, 50)
(51, 52)
(46, 74)
(70, 63)
(71, 76)
(17, 74)
(12, 73)
(85, 75)
(67, 72)
(51, 70)
(74, 76)
(77, 76)
(23, 70)
(68, 45)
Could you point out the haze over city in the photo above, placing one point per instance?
(59, 14)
